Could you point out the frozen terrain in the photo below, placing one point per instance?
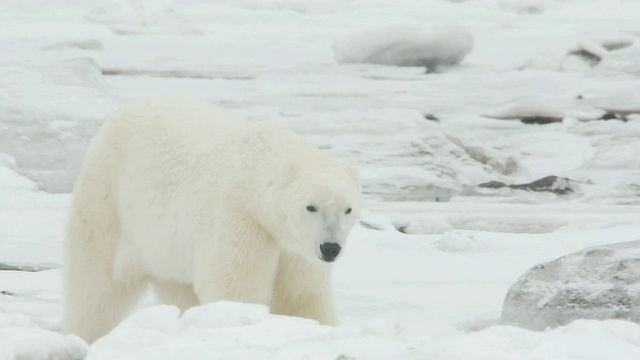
(426, 272)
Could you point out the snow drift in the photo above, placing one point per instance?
(229, 330)
(21, 339)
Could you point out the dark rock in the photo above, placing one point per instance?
(177, 73)
(431, 117)
(27, 268)
(493, 184)
(613, 116)
(592, 59)
(553, 184)
(596, 283)
(541, 120)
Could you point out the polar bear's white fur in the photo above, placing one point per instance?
(177, 193)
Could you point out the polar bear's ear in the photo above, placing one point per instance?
(354, 174)
(282, 176)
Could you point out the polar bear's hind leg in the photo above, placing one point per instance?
(94, 299)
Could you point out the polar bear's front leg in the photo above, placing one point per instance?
(304, 290)
(238, 263)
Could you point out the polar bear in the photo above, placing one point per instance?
(179, 194)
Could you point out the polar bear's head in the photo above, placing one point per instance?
(315, 210)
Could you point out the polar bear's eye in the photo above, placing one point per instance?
(311, 208)
(348, 211)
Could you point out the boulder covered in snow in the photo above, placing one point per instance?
(406, 46)
(542, 109)
(596, 283)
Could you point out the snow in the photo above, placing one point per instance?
(583, 339)
(426, 272)
(22, 339)
(238, 331)
(235, 331)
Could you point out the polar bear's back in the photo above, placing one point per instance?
(187, 124)
(184, 135)
(181, 118)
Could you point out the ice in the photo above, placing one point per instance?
(48, 112)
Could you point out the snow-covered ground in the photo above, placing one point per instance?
(425, 274)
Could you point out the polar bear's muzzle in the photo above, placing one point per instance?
(330, 251)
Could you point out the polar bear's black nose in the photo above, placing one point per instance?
(330, 251)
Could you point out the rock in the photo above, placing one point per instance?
(431, 117)
(596, 283)
(27, 268)
(542, 109)
(553, 184)
(613, 116)
(540, 119)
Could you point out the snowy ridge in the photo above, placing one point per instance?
(236, 331)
